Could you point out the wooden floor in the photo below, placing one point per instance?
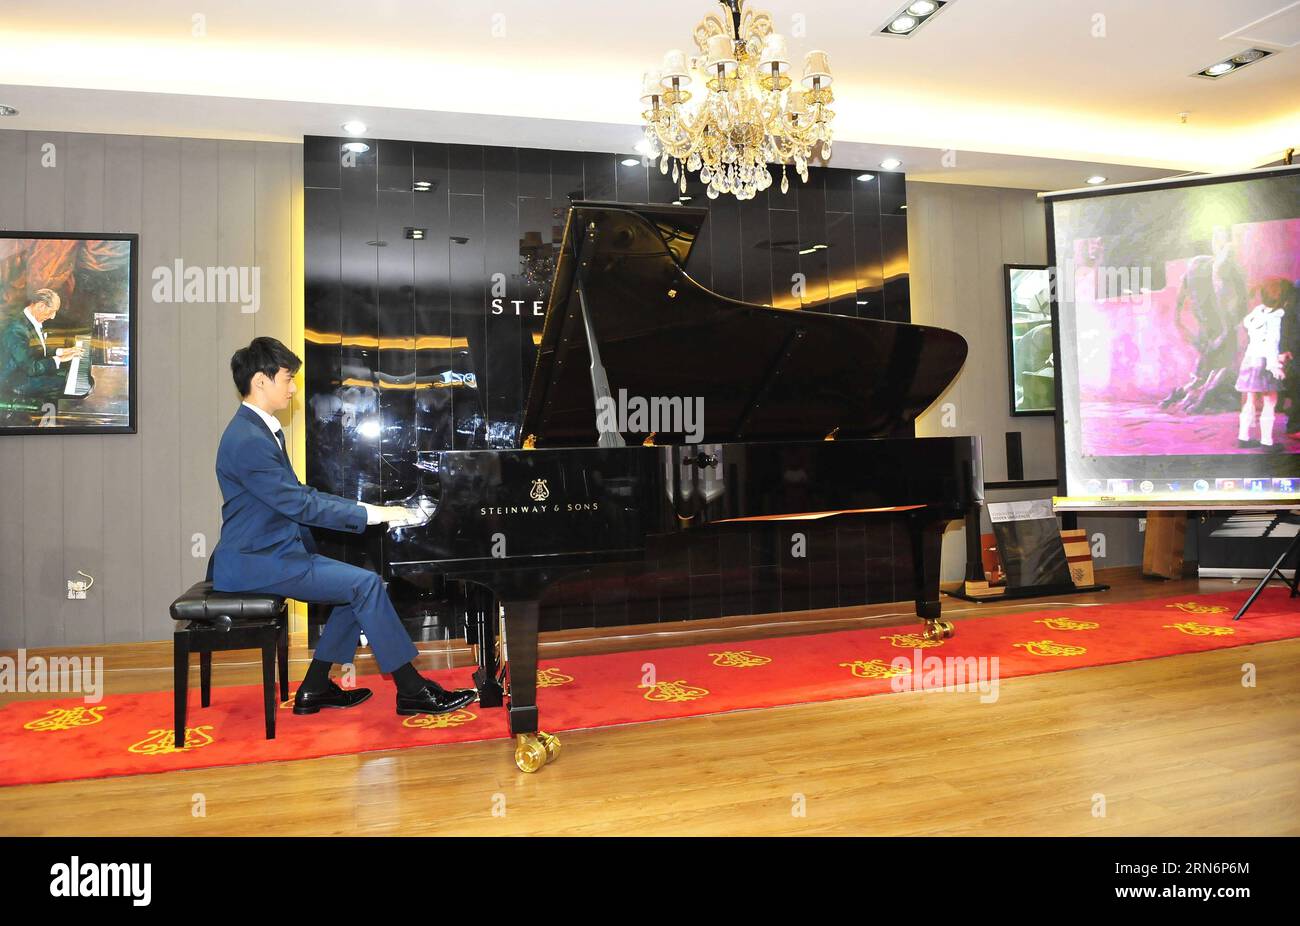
(1172, 746)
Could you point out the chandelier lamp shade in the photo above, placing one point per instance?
(737, 106)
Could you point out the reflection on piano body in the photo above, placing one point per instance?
(800, 409)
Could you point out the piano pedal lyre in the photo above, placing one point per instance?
(937, 630)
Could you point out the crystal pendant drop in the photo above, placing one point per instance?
(663, 164)
(785, 182)
(705, 175)
(675, 163)
(694, 162)
(683, 183)
(711, 192)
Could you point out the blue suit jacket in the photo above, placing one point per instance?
(266, 511)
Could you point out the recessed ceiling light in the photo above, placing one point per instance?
(356, 147)
(354, 127)
(7, 110)
(1095, 179)
(630, 162)
(906, 22)
(865, 178)
(1235, 63)
(890, 164)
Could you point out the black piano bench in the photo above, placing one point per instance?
(212, 621)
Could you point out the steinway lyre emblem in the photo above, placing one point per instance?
(739, 659)
(162, 742)
(66, 718)
(539, 492)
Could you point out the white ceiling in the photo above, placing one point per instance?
(1028, 93)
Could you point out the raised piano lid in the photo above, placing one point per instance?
(763, 373)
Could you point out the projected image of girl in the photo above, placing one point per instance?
(1261, 373)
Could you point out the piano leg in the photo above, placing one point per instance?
(533, 748)
(486, 677)
(927, 545)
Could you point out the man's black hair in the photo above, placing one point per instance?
(264, 355)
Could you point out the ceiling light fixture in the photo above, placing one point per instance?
(354, 127)
(416, 234)
(630, 162)
(753, 111)
(356, 147)
(866, 178)
(890, 164)
(7, 110)
(1235, 63)
(1095, 179)
(912, 17)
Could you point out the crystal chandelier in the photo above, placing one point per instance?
(752, 114)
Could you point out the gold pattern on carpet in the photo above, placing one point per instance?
(66, 718)
(439, 721)
(874, 668)
(910, 641)
(739, 659)
(1191, 607)
(674, 691)
(1066, 623)
(163, 742)
(1050, 648)
(552, 678)
(1192, 628)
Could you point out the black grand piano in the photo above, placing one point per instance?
(796, 409)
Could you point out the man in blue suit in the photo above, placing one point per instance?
(266, 545)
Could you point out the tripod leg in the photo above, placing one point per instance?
(1275, 571)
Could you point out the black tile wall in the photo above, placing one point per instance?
(462, 303)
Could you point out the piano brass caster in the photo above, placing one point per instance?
(938, 630)
(530, 754)
(551, 744)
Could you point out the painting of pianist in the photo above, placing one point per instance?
(1206, 363)
(65, 313)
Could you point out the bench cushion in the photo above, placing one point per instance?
(201, 603)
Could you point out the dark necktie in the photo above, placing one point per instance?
(279, 436)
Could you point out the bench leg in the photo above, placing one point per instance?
(284, 659)
(269, 646)
(181, 682)
(205, 678)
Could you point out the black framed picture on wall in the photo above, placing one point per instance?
(1031, 367)
(67, 332)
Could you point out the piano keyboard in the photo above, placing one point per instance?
(78, 382)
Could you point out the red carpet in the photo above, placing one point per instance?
(60, 740)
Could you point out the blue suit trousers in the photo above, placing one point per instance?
(361, 605)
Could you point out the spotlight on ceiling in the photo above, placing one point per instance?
(1095, 179)
(356, 147)
(866, 178)
(354, 127)
(630, 162)
(7, 110)
(890, 164)
(912, 17)
(1235, 63)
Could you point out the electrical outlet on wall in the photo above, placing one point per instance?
(77, 588)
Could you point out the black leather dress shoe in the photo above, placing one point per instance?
(434, 699)
(309, 702)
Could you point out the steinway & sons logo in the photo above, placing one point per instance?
(540, 492)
